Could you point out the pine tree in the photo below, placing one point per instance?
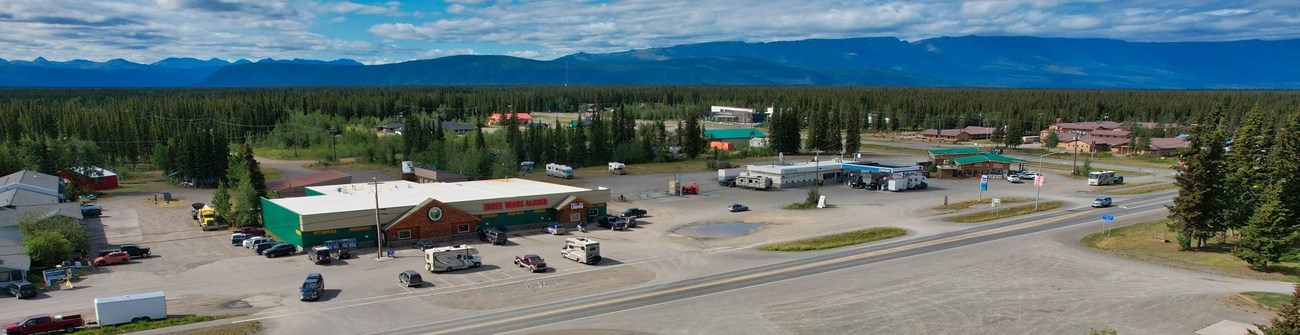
(255, 176)
(834, 137)
(1267, 235)
(693, 135)
(1287, 321)
(1015, 134)
(1285, 170)
(1195, 209)
(245, 211)
(601, 150)
(221, 198)
(818, 131)
(514, 138)
(999, 135)
(852, 132)
(1246, 165)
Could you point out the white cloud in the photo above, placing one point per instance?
(1079, 22)
(435, 53)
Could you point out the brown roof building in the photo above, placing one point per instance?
(295, 186)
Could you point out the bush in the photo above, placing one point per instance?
(47, 247)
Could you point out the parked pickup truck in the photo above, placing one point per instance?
(44, 323)
(134, 251)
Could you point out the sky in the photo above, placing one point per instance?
(379, 32)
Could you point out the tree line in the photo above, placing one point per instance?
(1241, 181)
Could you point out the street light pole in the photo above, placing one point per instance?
(1075, 166)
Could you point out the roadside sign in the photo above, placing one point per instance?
(997, 201)
(1108, 217)
(984, 178)
(54, 275)
(984, 186)
(1038, 180)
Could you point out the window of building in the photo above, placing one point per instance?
(403, 234)
(462, 228)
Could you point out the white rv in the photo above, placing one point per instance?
(754, 182)
(455, 257)
(130, 308)
(559, 171)
(582, 250)
(617, 168)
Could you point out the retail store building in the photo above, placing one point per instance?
(407, 211)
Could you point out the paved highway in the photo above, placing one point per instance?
(526, 317)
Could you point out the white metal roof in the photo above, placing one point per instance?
(807, 167)
(393, 194)
(105, 300)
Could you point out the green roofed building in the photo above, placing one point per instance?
(979, 164)
(941, 156)
(411, 211)
(735, 138)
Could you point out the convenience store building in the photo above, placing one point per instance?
(408, 211)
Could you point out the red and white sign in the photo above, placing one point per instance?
(1038, 180)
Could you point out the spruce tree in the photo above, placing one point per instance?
(1282, 162)
(999, 134)
(246, 210)
(601, 150)
(254, 171)
(818, 131)
(852, 132)
(834, 134)
(1267, 235)
(221, 198)
(1247, 164)
(1015, 133)
(1052, 140)
(1287, 321)
(1197, 206)
(693, 136)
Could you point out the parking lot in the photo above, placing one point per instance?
(202, 273)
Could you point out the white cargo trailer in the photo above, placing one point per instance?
(130, 308)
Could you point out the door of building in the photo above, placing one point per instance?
(575, 217)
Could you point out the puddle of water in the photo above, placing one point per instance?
(718, 230)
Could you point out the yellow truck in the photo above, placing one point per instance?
(207, 218)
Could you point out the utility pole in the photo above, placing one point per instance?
(818, 168)
(379, 230)
(1075, 170)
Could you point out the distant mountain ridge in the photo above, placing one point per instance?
(969, 61)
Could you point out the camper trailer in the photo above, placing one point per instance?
(559, 171)
(754, 182)
(455, 257)
(582, 250)
(130, 308)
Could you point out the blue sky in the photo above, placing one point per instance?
(375, 32)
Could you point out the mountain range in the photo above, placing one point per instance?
(967, 61)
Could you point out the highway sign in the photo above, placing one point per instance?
(1108, 217)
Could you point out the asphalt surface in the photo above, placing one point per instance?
(601, 304)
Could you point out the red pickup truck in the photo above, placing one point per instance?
(44, 323)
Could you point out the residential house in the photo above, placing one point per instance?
(390, 128)
(1090, 143)
(25, 193)
(958, 135)
(497, 118)
(457, 128)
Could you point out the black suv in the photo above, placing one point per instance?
(134, 250)
(22, 290)
(633, 212)
(493, 235)
(278, 250)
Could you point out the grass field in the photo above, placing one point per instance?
(996, 214)
(837, 240)
(1268, 299)
(147, 325)
(1146, 189)
(967, 204)
(1139, 241)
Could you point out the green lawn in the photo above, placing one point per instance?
(1146, 241)
(837, 240)
(990, 215)
(1268, 299)
(147, 325)
(1146, 189)
(967, 204)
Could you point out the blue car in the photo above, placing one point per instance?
(312, 287)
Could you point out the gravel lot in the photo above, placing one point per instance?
(1029, 284)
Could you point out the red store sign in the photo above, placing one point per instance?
(492, 206)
